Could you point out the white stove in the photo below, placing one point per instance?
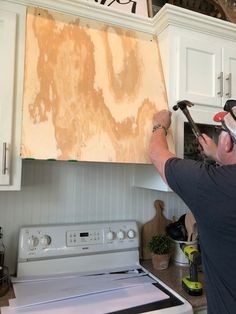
(87, 268)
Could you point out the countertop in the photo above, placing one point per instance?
(172, 276)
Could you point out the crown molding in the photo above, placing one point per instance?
(92, 10)
(169, 15)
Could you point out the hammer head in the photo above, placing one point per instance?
(183, 104)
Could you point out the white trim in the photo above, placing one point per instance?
(93, 11)
(168, 15)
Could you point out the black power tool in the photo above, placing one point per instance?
(190, 283)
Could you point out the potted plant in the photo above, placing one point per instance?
(160, 246)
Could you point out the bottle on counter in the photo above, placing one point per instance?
(2, 254)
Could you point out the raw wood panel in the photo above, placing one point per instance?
(90, 90)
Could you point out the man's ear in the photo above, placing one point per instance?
(228, 143)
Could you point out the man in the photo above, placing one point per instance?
(210, 193)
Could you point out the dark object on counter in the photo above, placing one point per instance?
(5, 281)
(177, 230)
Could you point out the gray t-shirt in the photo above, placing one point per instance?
(210, 193)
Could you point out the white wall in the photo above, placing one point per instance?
(63, 192)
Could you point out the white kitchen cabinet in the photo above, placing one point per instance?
(229, 68)
(207, 70)
(12, 19)
(198, 56)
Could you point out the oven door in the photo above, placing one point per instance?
(123, 291)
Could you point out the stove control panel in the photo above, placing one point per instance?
(75, 238)
(47, 241)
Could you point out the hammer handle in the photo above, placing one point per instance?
(193, 125)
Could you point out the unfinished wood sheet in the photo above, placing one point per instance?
(90, 90)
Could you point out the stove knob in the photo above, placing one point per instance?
(120, 235)
(46, 240)
(131, 234)
(33, 242)
(110, 235)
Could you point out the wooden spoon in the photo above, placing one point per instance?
(191, 226)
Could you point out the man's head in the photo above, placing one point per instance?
(228, 118)
(227, 138)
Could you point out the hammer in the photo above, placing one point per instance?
(183, 105)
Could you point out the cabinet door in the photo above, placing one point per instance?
(12, 30)
(198, 75)
(7, 59)
(229, 68)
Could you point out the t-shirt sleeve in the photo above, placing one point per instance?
(182, 177)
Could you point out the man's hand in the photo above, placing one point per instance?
(209, 147)
(162, 117)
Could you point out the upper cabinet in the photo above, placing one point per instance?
(207, 70)
(12, 20)
(199, 57)
(90, 89)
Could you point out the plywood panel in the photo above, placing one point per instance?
(90, 90)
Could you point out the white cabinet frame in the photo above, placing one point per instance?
(12, 31)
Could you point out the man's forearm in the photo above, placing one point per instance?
(159, 151)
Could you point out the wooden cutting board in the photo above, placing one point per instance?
(157, 225)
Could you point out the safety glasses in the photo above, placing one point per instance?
(219, 129)
(223, 127)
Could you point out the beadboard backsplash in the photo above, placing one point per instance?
(64, 192)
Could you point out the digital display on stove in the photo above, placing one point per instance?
(84, 234)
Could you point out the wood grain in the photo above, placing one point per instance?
(90, 90)
(157, 225)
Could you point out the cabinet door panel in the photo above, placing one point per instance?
(199, 68)
(7, 65)
(229, 57)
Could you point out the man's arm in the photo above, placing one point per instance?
(158, 149)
